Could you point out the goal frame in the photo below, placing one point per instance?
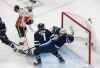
(83, 27)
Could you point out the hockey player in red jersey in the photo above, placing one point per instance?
(25, 18)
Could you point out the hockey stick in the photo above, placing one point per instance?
(15, 43)
(29, 49)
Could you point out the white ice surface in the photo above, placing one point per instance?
(84, 8)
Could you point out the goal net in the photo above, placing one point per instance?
(81, 31)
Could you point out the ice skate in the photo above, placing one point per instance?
(37, 63)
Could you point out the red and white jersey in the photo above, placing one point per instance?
(24, 16)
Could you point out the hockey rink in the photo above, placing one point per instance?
(9, 59)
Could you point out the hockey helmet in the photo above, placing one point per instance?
(41, 26)
(16, 8)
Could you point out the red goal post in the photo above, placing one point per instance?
(83, 27)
